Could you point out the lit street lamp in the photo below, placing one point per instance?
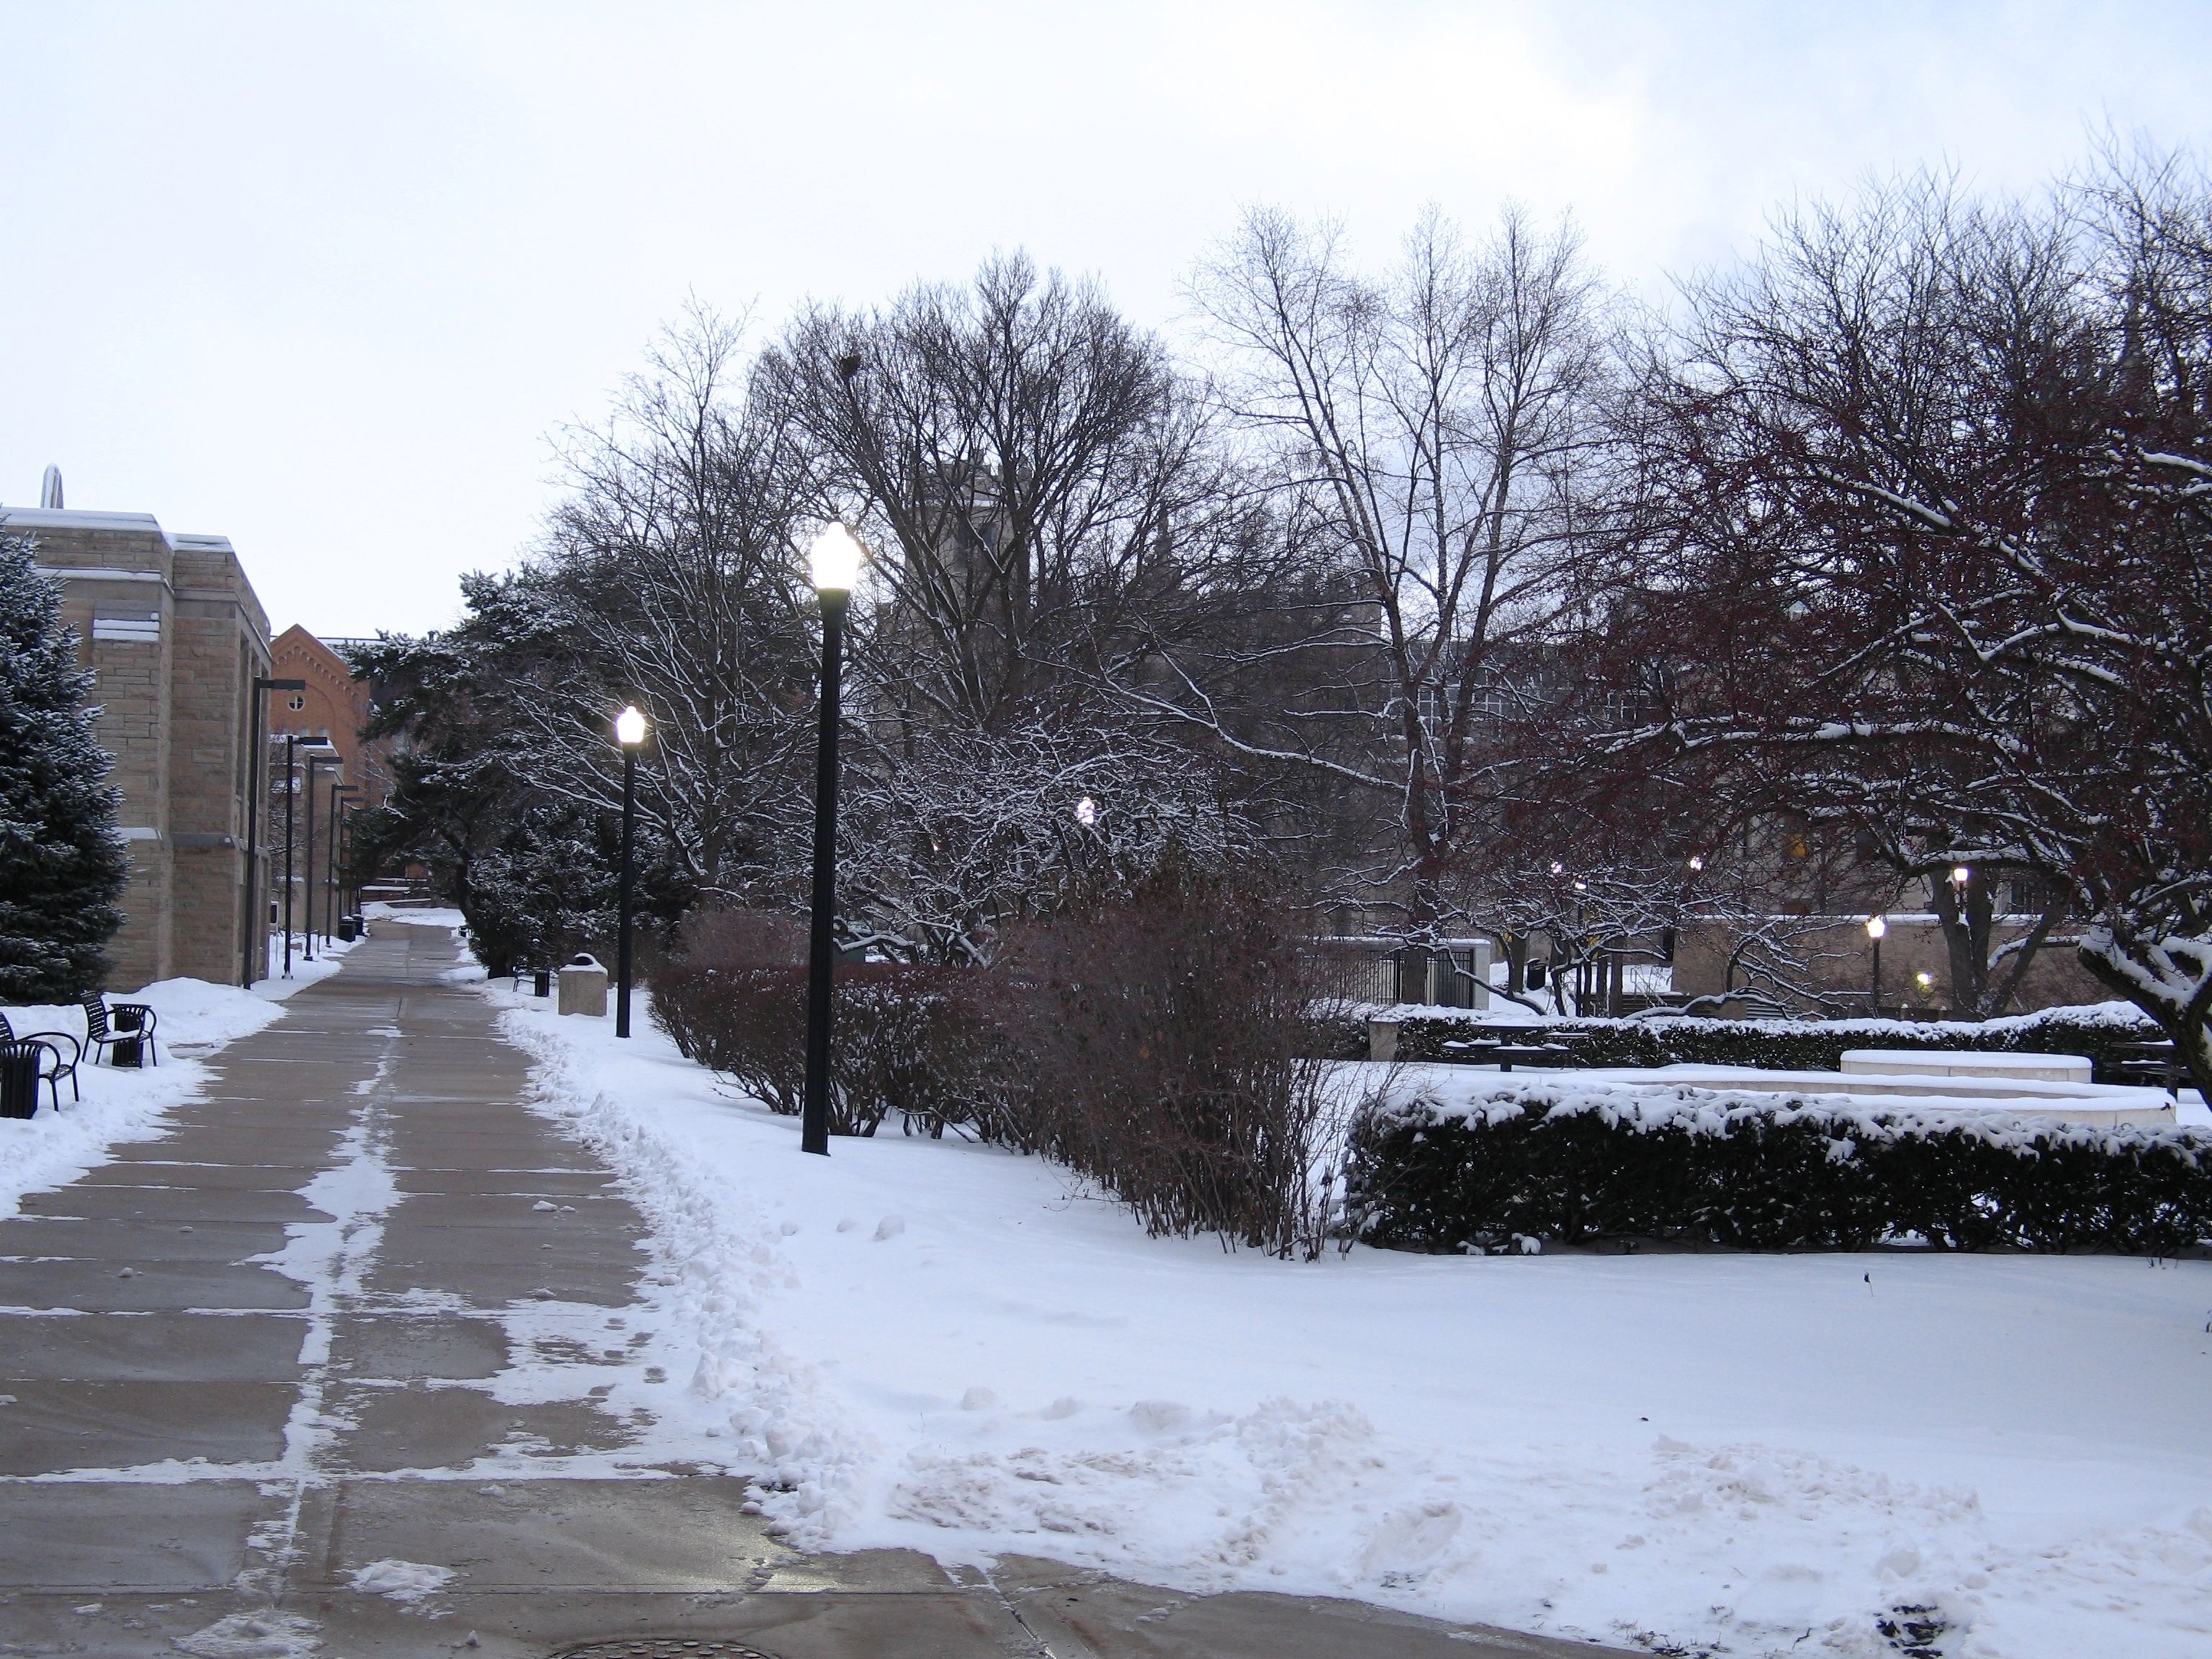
(835, 559)
(629, 733)
(1876, 926)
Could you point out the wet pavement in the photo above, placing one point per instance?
(201, 1454)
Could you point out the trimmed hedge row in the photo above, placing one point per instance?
(1547, 1162)
(920, 1041)
(2095, 1032)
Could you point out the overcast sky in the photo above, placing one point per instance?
(324, 278)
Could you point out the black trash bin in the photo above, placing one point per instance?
(346, 930)
(125, 1017)
(18, 1079)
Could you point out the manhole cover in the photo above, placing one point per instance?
(664, 1647)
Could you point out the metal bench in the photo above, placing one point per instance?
(126, 1026)
(56, 1067)
(2150, 1062)
(1507, 1054)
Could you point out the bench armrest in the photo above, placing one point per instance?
(53, 1038)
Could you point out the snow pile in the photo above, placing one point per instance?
(400, 1580)
(255, 1636)
(193, 1018)
(939, 1345)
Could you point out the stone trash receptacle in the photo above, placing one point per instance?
(584, 987)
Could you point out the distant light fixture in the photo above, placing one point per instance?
(1582, 887)
(1924, 980)
(1876, 926)
(1558, 869)
(1697, 864)
(629, 727)
(835, 560)
(1086, 812)
(1960, 875)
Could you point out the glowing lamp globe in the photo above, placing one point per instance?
(629, 727)
(835, 560)
(1876, 926)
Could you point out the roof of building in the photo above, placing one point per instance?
(70, 518)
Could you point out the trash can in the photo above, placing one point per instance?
(584, 987)
(124, 1019)
(18, 1079)
(346, 930)
(541, 982)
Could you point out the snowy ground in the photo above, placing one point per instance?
(193, 1018)
(934, 1344)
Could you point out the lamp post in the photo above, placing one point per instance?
(629, 733)
(330, 859)
(1876, 926)
(257, 931)
(291, 790)
(835, 559)
(320, 755)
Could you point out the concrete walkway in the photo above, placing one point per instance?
(200, 1451)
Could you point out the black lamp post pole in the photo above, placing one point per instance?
(814, 1124)
(257, 931)
(629, 847)
(307, 888)
(331, 861)
(291, 789)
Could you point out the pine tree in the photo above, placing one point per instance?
(62, 865)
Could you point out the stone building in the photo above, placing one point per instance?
(171, 627)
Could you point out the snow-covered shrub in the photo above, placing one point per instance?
(1548, 1160)
(2097, 1032)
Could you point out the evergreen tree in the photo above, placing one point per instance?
(62, 865)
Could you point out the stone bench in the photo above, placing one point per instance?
(2007, 1067)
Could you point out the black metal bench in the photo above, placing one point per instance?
(2150, 1062)
(1508, 1055)
(126, 1026)
(55, 1067)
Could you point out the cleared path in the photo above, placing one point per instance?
(204, 1452)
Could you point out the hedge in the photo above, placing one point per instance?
(917, 1041)
(1789, 1045)
(1545, 1160)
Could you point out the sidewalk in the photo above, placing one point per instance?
(245, 1459)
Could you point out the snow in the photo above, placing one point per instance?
(444, 916)
(400, 1580)
(193, 1018)
(934, 1344)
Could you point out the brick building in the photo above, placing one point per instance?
(171, 627)
(332, 708)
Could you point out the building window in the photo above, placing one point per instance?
(295, 703)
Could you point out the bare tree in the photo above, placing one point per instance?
(1430, 436)
(669, 577)
(1927, 486)
(1029, 472)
